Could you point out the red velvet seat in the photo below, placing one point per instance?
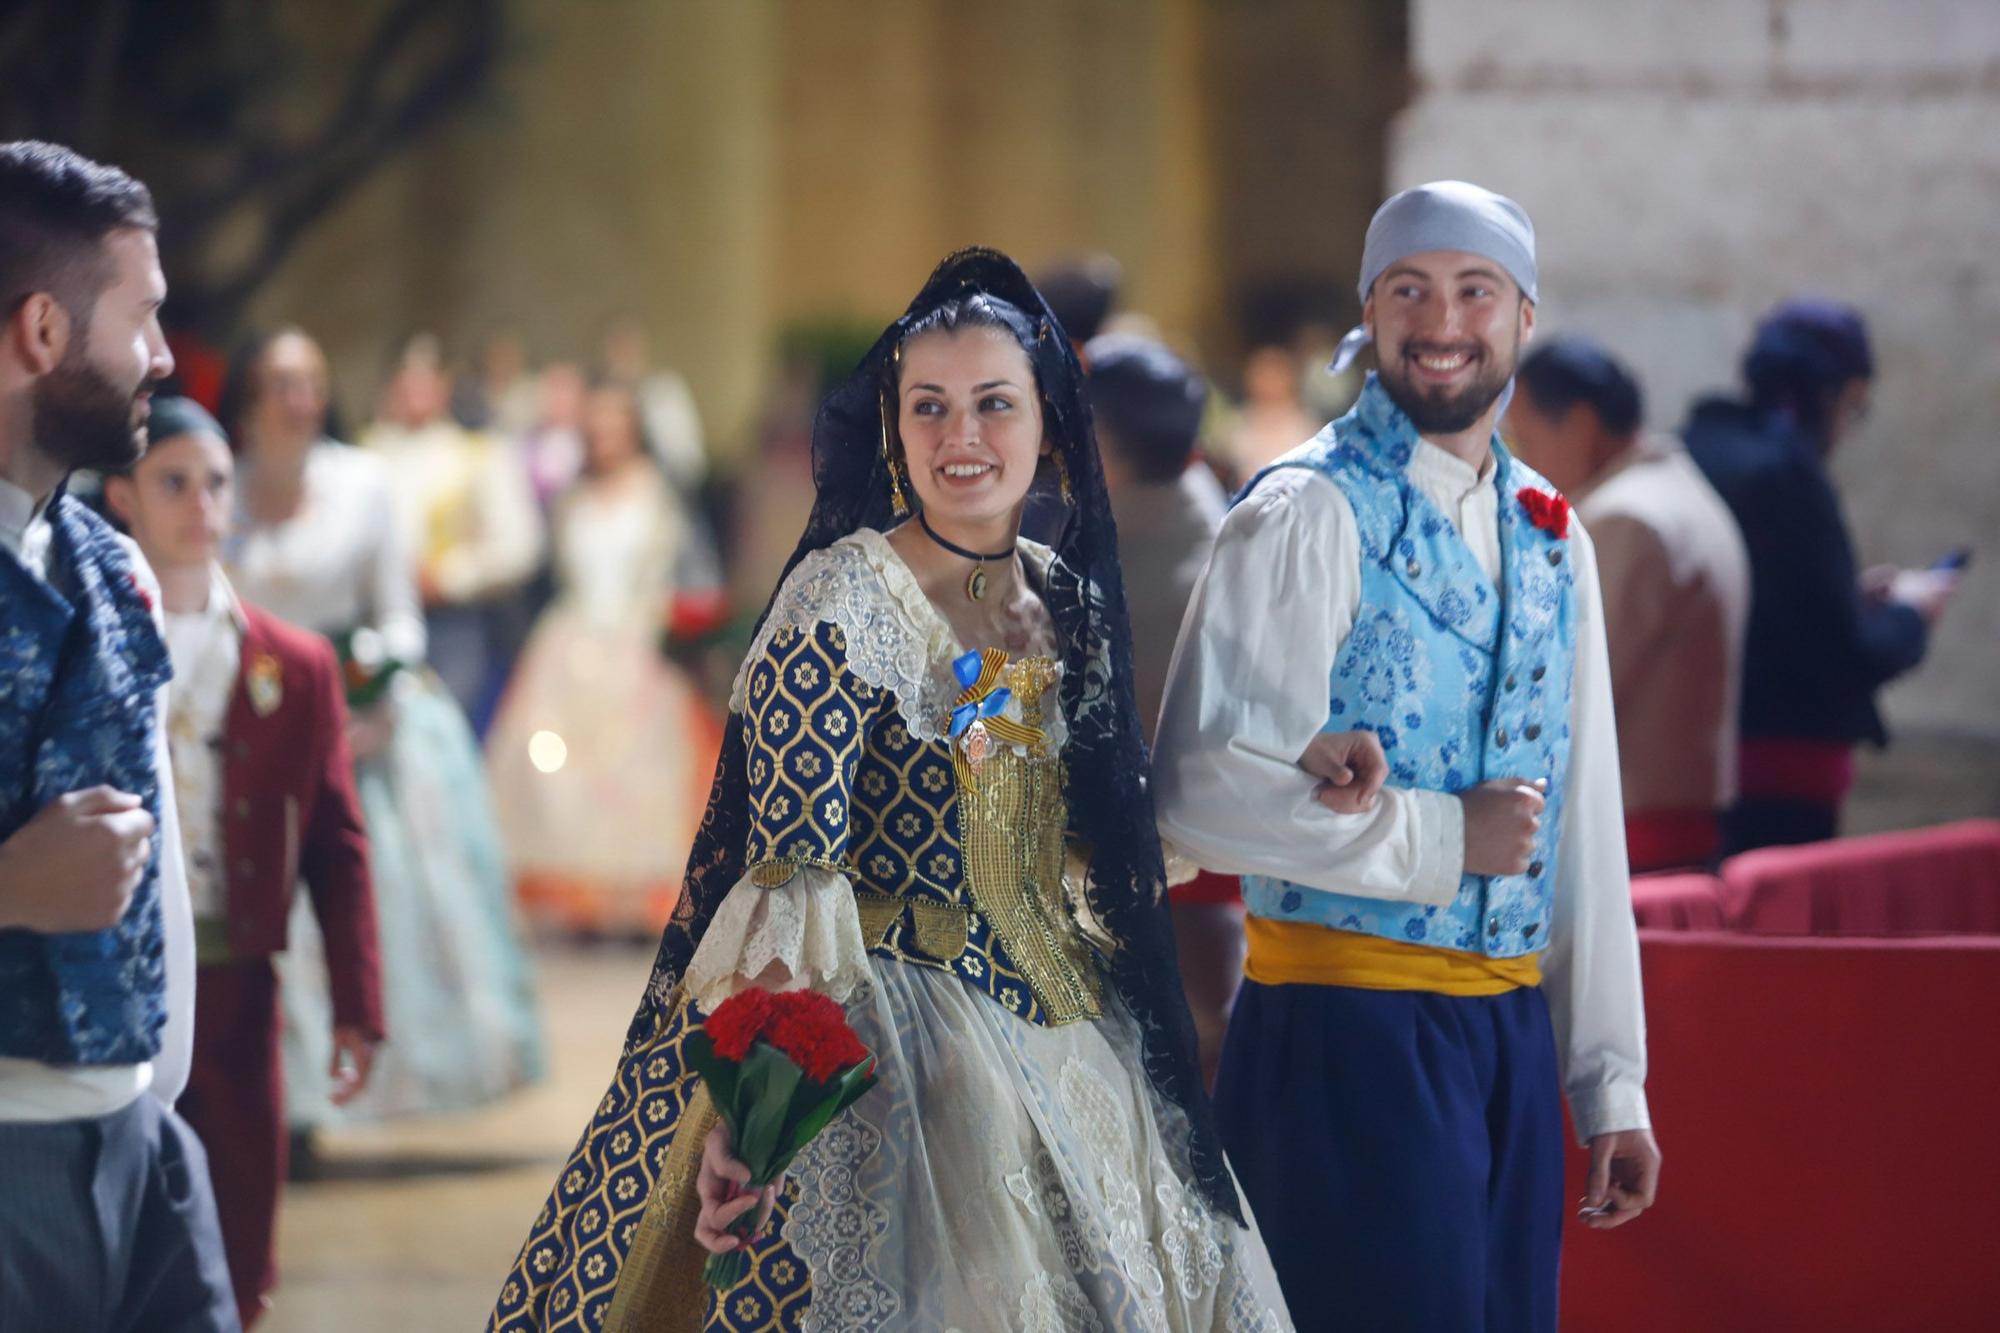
(1824, 1107)
(1678, 901)
(1933, 881)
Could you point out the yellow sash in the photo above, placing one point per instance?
(1295, 953)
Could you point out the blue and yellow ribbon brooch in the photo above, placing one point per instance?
(976, 718)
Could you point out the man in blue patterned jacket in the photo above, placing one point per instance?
(106, 1216)
(1432, 966)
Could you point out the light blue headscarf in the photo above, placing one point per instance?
(1444, 215)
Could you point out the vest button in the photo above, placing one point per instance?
(246, 867)
(1413, 569)
(1290, 902)
(1500, 738)
(1555, 557)
(1492, 925)
(243, 807)
(1512, 682)
(1534, 869)
(1538, 673)
(1534, 732)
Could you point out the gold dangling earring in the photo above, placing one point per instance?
(899, 501)
(1062, 479)
(896, 496)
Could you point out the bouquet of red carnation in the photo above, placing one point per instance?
(779, 1067)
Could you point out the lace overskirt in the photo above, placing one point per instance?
(1003, 1176)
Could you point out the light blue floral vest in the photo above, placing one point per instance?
(1461, 681)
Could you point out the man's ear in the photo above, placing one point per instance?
(39, 333)
(119, 498)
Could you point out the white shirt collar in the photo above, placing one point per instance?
(19, 512)
(223, 604)
(24, 528)
(1447, 471)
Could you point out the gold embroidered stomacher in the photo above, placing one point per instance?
(1011, 824)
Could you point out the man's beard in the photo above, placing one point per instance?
(1446, 412)
(84, 420)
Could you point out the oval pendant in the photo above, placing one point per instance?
(975, 586)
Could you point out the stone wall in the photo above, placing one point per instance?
(1689, 162)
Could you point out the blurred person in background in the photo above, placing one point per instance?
(551, 445)
(264, 781)
(773, 490)
(1823, 639)
(1271, 420)
(500, 393)
(1083, 292)
(468, 519)
(1676, 584)
(666, 405)
(1148, 407)
(549, 454)
(316, 542)
(601, 753)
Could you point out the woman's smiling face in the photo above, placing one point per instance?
(970, 419)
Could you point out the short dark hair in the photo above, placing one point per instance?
(1081, 293)
(1568, 370)
(56, 207)
(1148, 403)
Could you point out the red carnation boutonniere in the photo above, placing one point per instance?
(779, 1066)
(1546, 510)
(145, 598)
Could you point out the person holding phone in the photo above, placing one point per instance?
(1822, 639)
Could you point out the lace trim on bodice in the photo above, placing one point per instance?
(896, 640)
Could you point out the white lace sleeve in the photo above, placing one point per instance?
(803, 935)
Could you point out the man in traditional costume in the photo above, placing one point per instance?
(264, 781)
(106, 1217)
(1426, 973)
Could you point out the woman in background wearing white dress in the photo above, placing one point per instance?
(602, 750)
(316, 543)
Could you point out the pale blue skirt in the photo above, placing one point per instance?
(458, 990)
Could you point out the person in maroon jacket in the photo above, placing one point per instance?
(257, 730)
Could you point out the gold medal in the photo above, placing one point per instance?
(265, 685)
(978, 744)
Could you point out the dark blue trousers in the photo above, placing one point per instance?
(1402, 1152)
(108, 1226)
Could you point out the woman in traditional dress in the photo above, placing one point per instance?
(931, 805)
(602, 750)
(315, 542)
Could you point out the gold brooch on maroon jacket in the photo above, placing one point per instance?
(265, 684)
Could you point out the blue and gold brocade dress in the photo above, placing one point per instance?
(1014, 1169)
